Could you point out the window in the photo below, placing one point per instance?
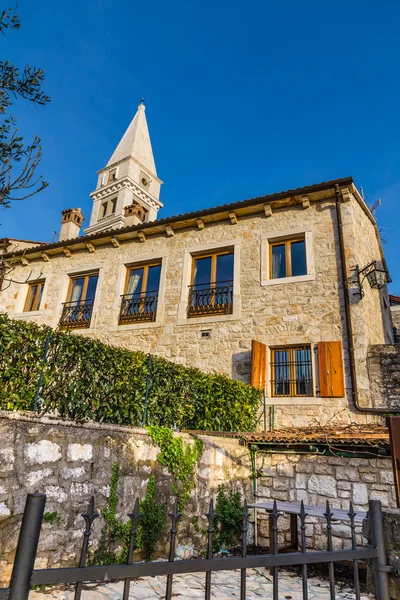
(288, 258)
(112, 176)
(144, 179)
(108, 208)
(139, 302)
(34, 296)
(77, 311)
(291, 371)
(211, 291)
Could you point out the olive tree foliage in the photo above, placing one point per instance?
(18, 161)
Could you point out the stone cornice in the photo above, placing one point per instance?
(126, 182)
(120, 162)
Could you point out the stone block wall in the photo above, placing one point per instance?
(384, 374)
(69, 463)
(316, 479)
(395, 310)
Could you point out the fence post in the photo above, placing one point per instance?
(378, 541)
(27, 546)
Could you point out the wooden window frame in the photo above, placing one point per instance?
(292, 370)
(214, 257)
(147, 300)
(288, 255)
(38, 297)
(145, 268)
(84, 276)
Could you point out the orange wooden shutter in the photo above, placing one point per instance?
(258, 364)
(330, 362)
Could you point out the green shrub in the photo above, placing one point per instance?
(229, 519)
(152, 525)
(84, 379)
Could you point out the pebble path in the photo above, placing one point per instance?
(225, 586)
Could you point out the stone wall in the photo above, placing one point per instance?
(69, 462)
(384, 373)
(294, 310)
(316, 479)
(395, 310)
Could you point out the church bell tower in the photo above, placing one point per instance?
(128, 188)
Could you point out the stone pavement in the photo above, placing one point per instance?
(225, 586)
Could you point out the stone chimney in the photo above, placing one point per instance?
(134, 214)
(70, 224)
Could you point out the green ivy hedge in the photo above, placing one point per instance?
(84, 379)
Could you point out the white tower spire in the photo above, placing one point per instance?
(136, 143)
(128, 188)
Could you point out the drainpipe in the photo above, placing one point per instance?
(348, 322)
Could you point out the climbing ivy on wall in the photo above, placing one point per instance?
(84, 379)
(179, 458)
(115, 535)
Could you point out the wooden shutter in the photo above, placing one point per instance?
(330, 362)
(394, 429)
(258, 364)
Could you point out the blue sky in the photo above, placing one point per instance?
(243, 99)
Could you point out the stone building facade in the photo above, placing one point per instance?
(268, 269)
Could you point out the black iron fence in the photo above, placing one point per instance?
(24, 576)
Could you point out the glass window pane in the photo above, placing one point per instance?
(281, 373)
(278, 261)
(76, 289)
(135, 280)
(299, 263)
(302, 358)
(225, 267)
(202, 272)
(39, 294)
(91, 288)
(153, 278)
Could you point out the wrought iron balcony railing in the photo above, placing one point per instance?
(77, 314)
(216, 298)
(140, 308)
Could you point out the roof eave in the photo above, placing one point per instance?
(188, 219)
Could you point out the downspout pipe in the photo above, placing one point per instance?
(348, 321)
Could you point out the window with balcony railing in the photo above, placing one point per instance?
(77, 311)
(139, 302)
(211, 291)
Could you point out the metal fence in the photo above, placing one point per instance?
(24, 576)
